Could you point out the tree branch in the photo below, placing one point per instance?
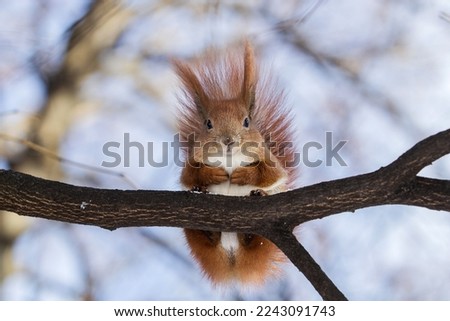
(300, 257)
(396, 183)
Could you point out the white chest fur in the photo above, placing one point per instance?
(229, 240)
(230, 163)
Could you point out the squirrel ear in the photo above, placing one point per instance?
(249, 83)
(192, 85)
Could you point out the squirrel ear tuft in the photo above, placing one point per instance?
(249, 84)
(192, 86)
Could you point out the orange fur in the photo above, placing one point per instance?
(229, 103)
(222, 79)
(201, 175)
(257, 258)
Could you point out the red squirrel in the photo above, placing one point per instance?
(239, 135)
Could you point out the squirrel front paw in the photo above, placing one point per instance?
(213, 175)
(199, 189)
(261, 175)
(258, 192)
(248, 175)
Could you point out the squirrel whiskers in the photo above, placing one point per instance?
(239, 135)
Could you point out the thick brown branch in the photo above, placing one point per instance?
(111, 209)
(421, 190)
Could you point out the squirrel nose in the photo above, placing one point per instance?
(228, 141)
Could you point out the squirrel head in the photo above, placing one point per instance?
(220, 98)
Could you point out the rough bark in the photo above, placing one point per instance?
(274, 216)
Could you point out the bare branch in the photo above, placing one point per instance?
(90, 37)
(307, 265)
(395, 184)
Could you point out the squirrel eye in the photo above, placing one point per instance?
(208, 124)
(246, 122)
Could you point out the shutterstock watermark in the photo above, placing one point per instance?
(162, 154)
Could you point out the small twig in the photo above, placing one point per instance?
(445, 16)
(48, 153)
